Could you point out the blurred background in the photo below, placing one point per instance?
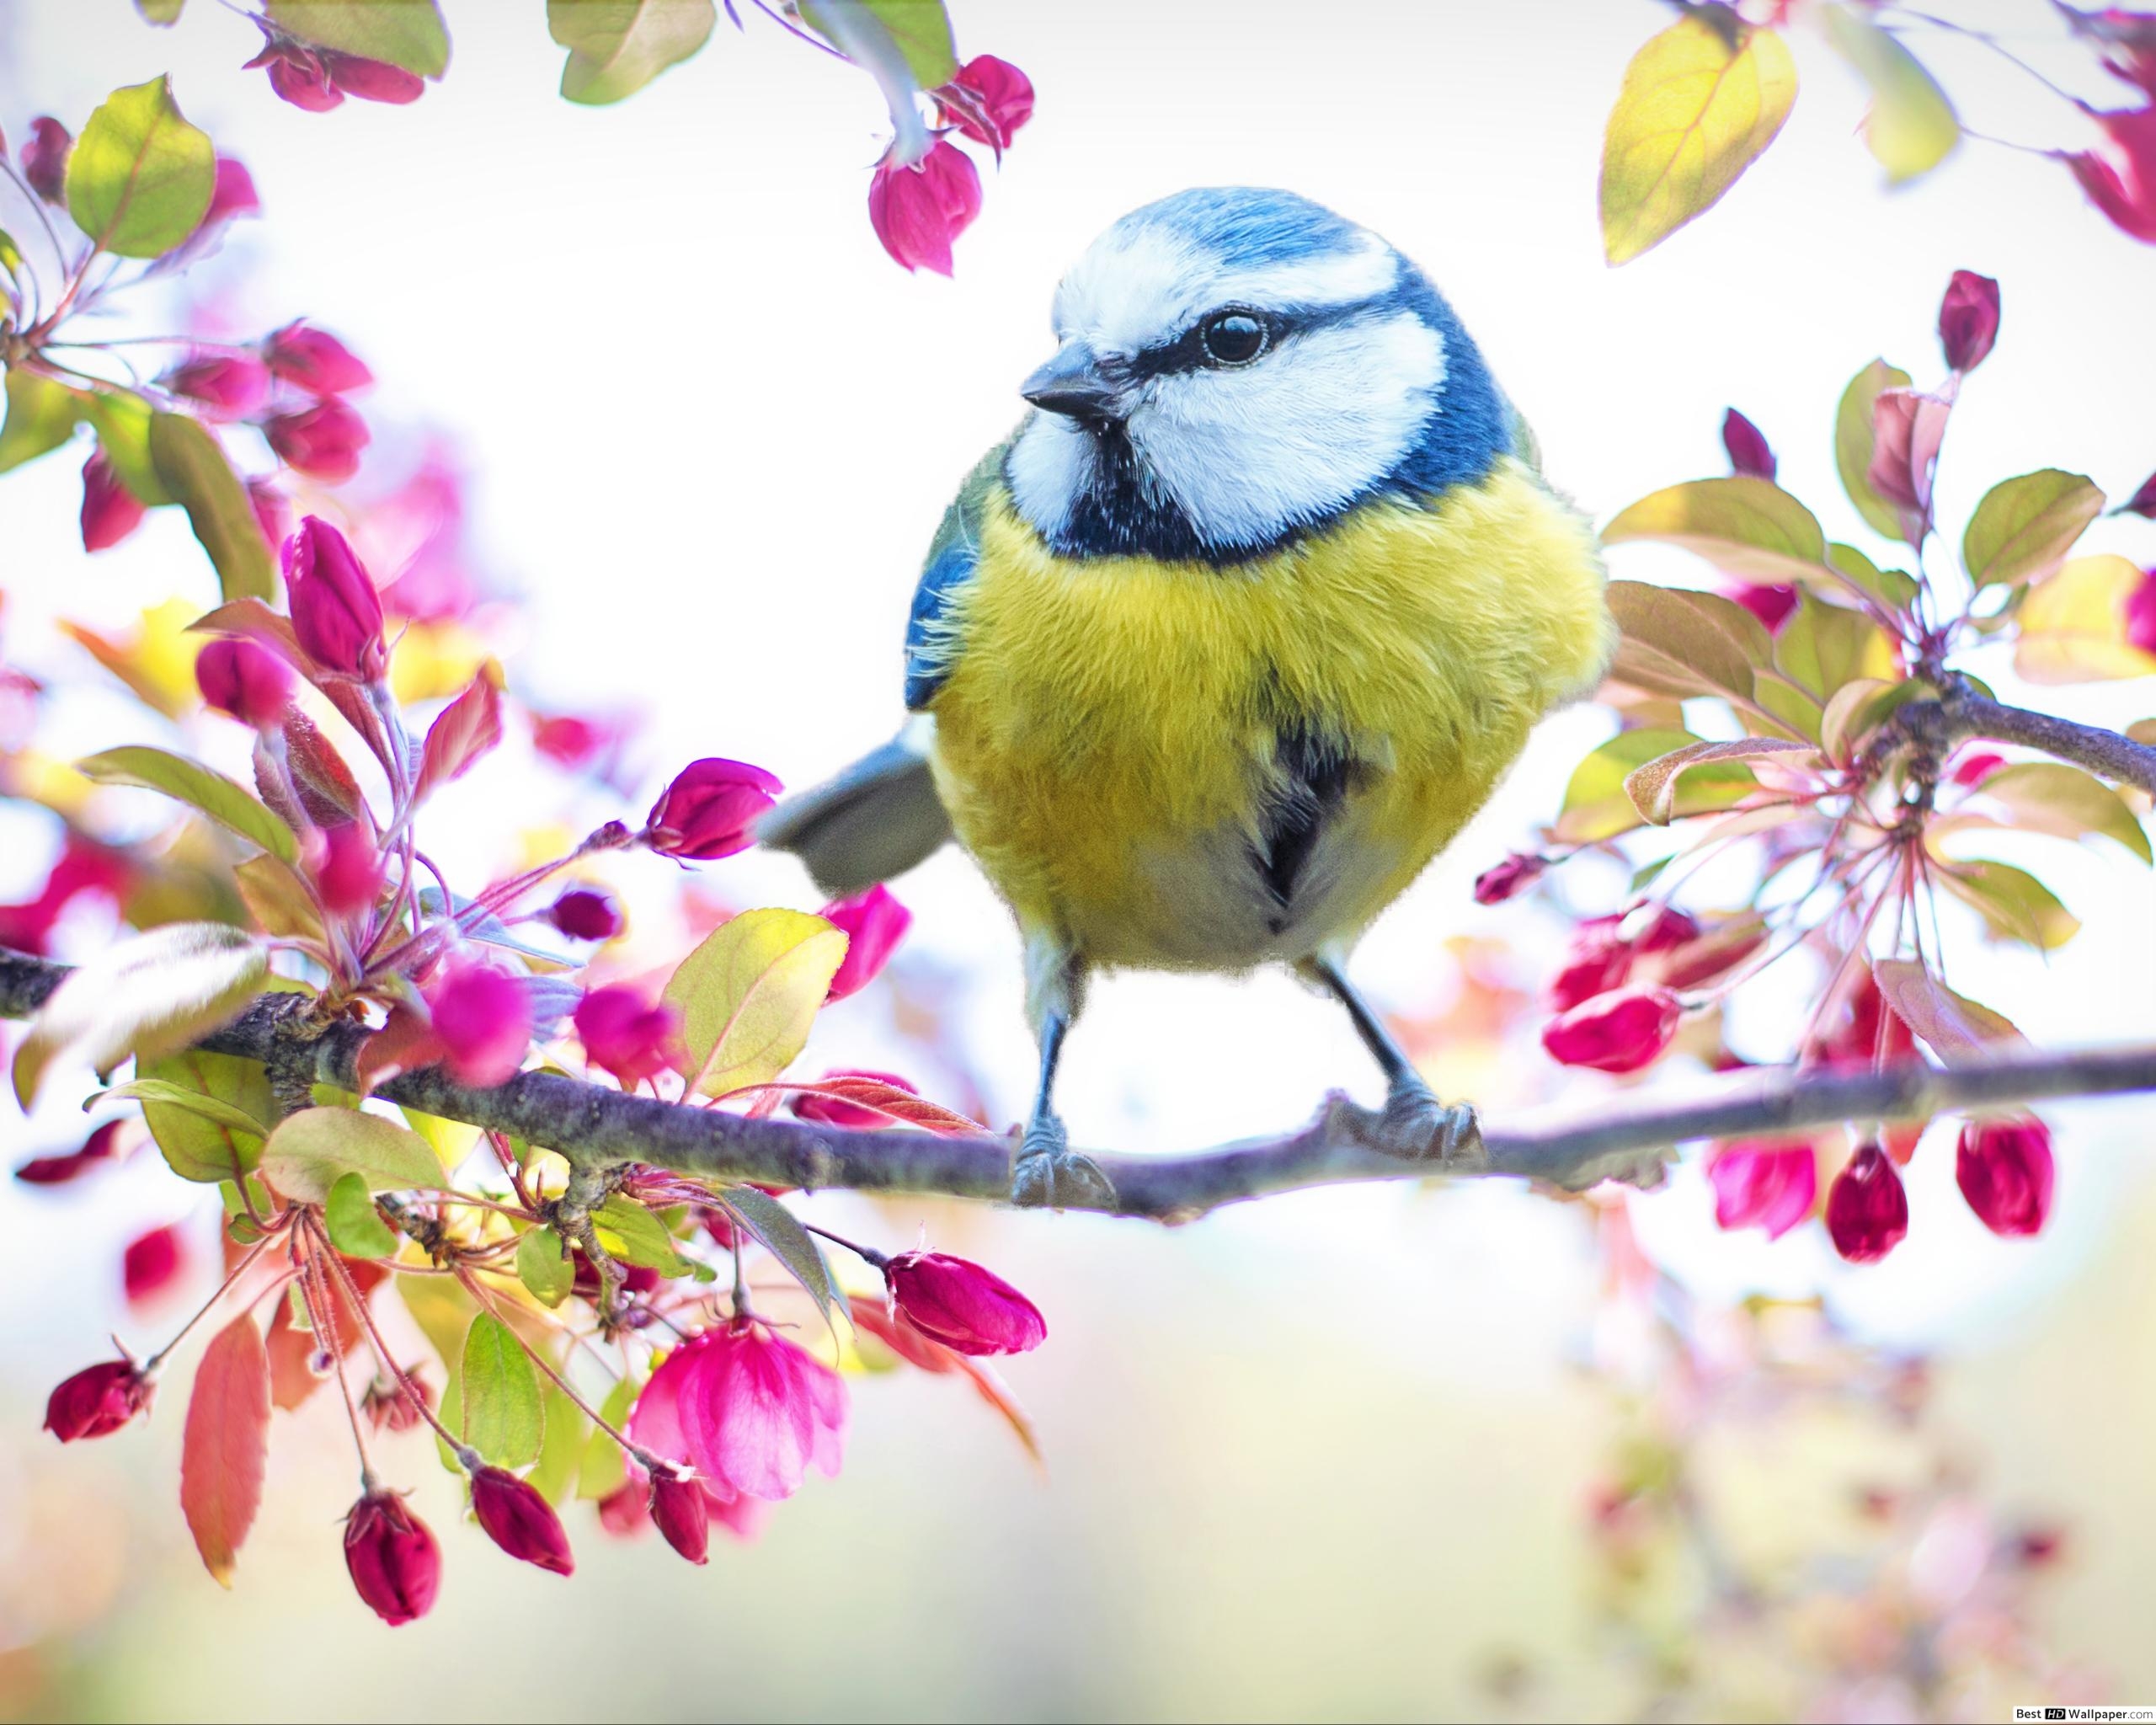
(1417, 1452)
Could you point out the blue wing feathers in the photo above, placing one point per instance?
(952, 555)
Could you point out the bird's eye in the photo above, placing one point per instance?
(1233, 338)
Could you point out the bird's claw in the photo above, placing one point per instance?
(1415, 1127)
(1048, 1173)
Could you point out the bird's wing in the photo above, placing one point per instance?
(930, 644)
(874, 821)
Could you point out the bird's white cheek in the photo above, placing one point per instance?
(1049, 468)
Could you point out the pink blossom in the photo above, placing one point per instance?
(515, 1516)
(2140, 613)
(710, 810)
(625, 1036)
(97, 1401)
(2122, 184)
(967, 1308)
(1762, 1184)
(110, 511)
(336, 613)
(372, 80)
(83, 867)
(245, 681)
(583, 913)
(749, 1410)
(1867, 1208)
(1968, 320)
(1749, 455)
(1971, 767)
(1774, 603)
(347, 869)
(680, 1508)
(874, 923)
(232, 194)
(1509, 877)
(151, 1263)
(228, 386)
(2004, 1169)
(100, 1147)
(314, 360)
(45, 158)
(1599, 960)
(1618, 1032)
(394, 1563)
(918, 211)
(484, 1020)
(322, 441)
(988, 101)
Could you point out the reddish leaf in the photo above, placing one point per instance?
(930, 1356)
(403, 1044)
(227, 1437)
(468, 727)
(290, 1348)
(902, 1106)
(325, 782)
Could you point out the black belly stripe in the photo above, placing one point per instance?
(1312, 776)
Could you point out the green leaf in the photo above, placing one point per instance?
(11, 256)
(560, 1449)
(917, 32)
(122, 419)
(312, 1150)
(355, 1226)
(1957, 1029)
(544, 1266)
(41, 416)
(278, 899)
(1893, 589)
(2014, 904)
(1653, 788)
(618, 46)
(1744, 526)
(1853, 442)
(504, 1418)
(606, 1470)
(634, 1236)
(1821, 647)
(145, 995)
(160, 13)
(1699, 103)
(748, 993)
(194, 470)
(1674, 642)
(2050, 796)
(408, 34)
(1911, 127)
(205, 1143)
(1597, 807)
(190, 782)
(788, 1240)
(2024, 528)
(140, 178)
(195, 1102)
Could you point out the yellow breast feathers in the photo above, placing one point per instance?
(1117, 735)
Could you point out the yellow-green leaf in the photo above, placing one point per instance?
(605, 1470)
(504, 1418)
(2074, 625)
(312, 1150)
(200, 788)
(1653, 788)
(748, 993)
(233, 1119)
(355, 1226)
(2014, 904)
(408, 34)
(1821, 647)
(41, 416)
(1744, 526)
(216, 1134)
(1853, 440)
(192, 469)
(916, 32)
(544, 1266)
(618, 46)
(1911, 126)
(2023, 527)
(1894, 589)
(1699, 101)
(122, 419)
(277, 899)
(160, 12)
(1958, 1030)
(560, 1448)
(140, 178)
(1596, 804)
(2050, 796)
(633, 1234)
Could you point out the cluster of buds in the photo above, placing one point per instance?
(316, 79)
(926, 193)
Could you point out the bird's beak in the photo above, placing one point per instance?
(1071, 383)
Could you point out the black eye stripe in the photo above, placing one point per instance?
(1186, 352)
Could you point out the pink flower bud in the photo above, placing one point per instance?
(484, 1020)
(1769, 1185)
(271, 512)
(623, 1035)
(624, 1512)
(582, 914)
(917, 211)
(1867, 1209)
(314, 361)
(395, 1564)
(110, 511)
(683, 1516)
(831, 1111)
(1973, 766)
(298, 77)
(965, 1307)
(322, 441)
(336, 613)
(389, 1407)
(874, 924)
(151, 1263)
(372, 80)
(45, 158)
(100, 1147)
(1510, 877)
(233, 195)
(2004, 1169)
(1748, 453)
(243, 679)
(97, 1401)
(1773, 604)
(2143, 502)
(1968, 320)
(710, 810)
(229, 385)
(1598, 960)
(522, 1523)
(1618, 1032)
(347, 870)
(2121, 181)
(988, 101)
(2140, 613)
(1664, 927)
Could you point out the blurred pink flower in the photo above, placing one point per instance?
(110, 511)
(1867, 1209)
(2004, 1169)
(918, 211)
(874, 924)
(749, 1410)
(484, 1020)
(1762, 1184)
(1618, 1032)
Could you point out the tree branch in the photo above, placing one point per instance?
(597, 1127)
(1964, 713)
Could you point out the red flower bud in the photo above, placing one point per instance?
(1665, 926)
(2004, 1169)
(1772, 1186)
(241, 679)
(1867, 1209)
(965, 1307)
(110, 511)
(683, 1516)
(45, 158)
(1618, 1032)
(522, 1522)
(1968, 320)
(314, 360)
(1773, 605)
(2122, 182)
(228, 386)
(336, 613)
(1973, 766)
(484, 1020)
(97, 1401)
(582, 914)
(624, 1512)
(100, 1147)
(1748, 453)
(233, 195)
(2144, 501)
(347, 870)
(625, 1036)
(389, 1407)
(710, 810)
(396, 1565)
(1599, 960)
(988, 101)
(1510, 877)
(322, 441)
(2140, 610)
(831, 1111)
(874, 923)
(917, 211)
(150, 1262)
(298, 77)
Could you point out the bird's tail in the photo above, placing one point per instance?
(874, 821)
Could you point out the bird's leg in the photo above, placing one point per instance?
(1048, 1171)
(1413, 1125)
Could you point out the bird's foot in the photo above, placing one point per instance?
(1415, 1127)
(1049, 1172)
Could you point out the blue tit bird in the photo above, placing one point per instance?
(1231, 636)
